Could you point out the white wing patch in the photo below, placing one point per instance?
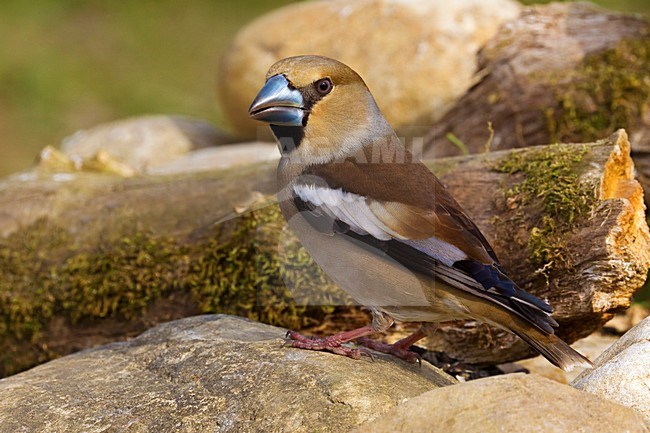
(364, 218)
(350, 208)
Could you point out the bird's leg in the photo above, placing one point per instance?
(399, 348)
(335, 343)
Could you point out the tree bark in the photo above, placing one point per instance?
(563, 72)
(87, 258)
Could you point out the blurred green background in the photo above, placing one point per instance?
(71, 64)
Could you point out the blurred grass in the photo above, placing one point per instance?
(71, 64)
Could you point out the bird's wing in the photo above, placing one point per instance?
(408, 199)
(438, 240)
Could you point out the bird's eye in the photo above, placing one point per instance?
(324, 86)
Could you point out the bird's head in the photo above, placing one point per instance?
(318, 108)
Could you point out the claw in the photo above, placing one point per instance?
(367, 352)
(295, 336)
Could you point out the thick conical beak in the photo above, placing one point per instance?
(278, 104)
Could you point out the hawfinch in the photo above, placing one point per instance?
(379, 223)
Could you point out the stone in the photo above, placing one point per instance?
(623, 322)
(416, 56)
(507, 404)
(208, 373)
(142, 142)
(622, 372)
(215, 158)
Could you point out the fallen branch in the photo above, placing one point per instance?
(87, 258)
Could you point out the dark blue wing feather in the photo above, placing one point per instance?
(492, 278)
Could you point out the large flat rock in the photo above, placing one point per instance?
(208, 374)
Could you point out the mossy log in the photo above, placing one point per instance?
(563, 72)
(568, 222)
(87, 258)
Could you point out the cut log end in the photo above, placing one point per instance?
(618, 182)
(628, 241)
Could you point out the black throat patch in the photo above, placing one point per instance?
(289, 137)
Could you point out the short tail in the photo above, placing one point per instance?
(551, 347)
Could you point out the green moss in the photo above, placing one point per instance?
(117, 280)
(549, 180)
(24, 301)
(235, 269)
(254, 272)
(609, 91)
(550, 177)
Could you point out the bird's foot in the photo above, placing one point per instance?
(399, 350)
(329, 344)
